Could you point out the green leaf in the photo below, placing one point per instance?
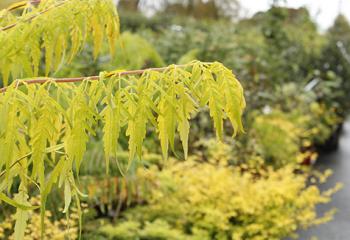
(111, 117)
(67, 196)
(162, 129)
(16, 204)
(21, 216)
(186, 107)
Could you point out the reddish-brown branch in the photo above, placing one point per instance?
(11, 8)
(93, 78)
(22, 4)
(34, 16)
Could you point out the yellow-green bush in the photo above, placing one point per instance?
(282, 138)
(135, 52)
(128, 230)
(322, 122)
(214, 201)
(60, 229)
(277, 138)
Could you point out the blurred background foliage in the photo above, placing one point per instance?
(258, 186)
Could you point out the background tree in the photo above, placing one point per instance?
(336, 55)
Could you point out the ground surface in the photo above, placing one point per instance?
(339, 162)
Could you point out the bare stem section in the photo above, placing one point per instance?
(93, 78)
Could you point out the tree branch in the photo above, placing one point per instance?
(34, 16)
(80, 79)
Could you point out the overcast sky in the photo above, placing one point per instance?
(323, 11)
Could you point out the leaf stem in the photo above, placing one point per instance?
(34, 16)
(93, 78)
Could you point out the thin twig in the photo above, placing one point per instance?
(16, 162)
(12, 8)
(93, 78)
(29, 154)
(34, 16)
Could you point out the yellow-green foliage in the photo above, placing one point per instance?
(53, 26)
(209, 201)
(278, 138)
(135, 52)
(322, 122)
(158, 229)
(59, 118)
(58, 230)
(189, 56)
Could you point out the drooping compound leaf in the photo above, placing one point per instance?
(49, 28)
(46, 127)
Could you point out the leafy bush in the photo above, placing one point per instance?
(336, 56)
(128, 230)
(132, 52)
(284, 135)
(210, 201)
(60, 229)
